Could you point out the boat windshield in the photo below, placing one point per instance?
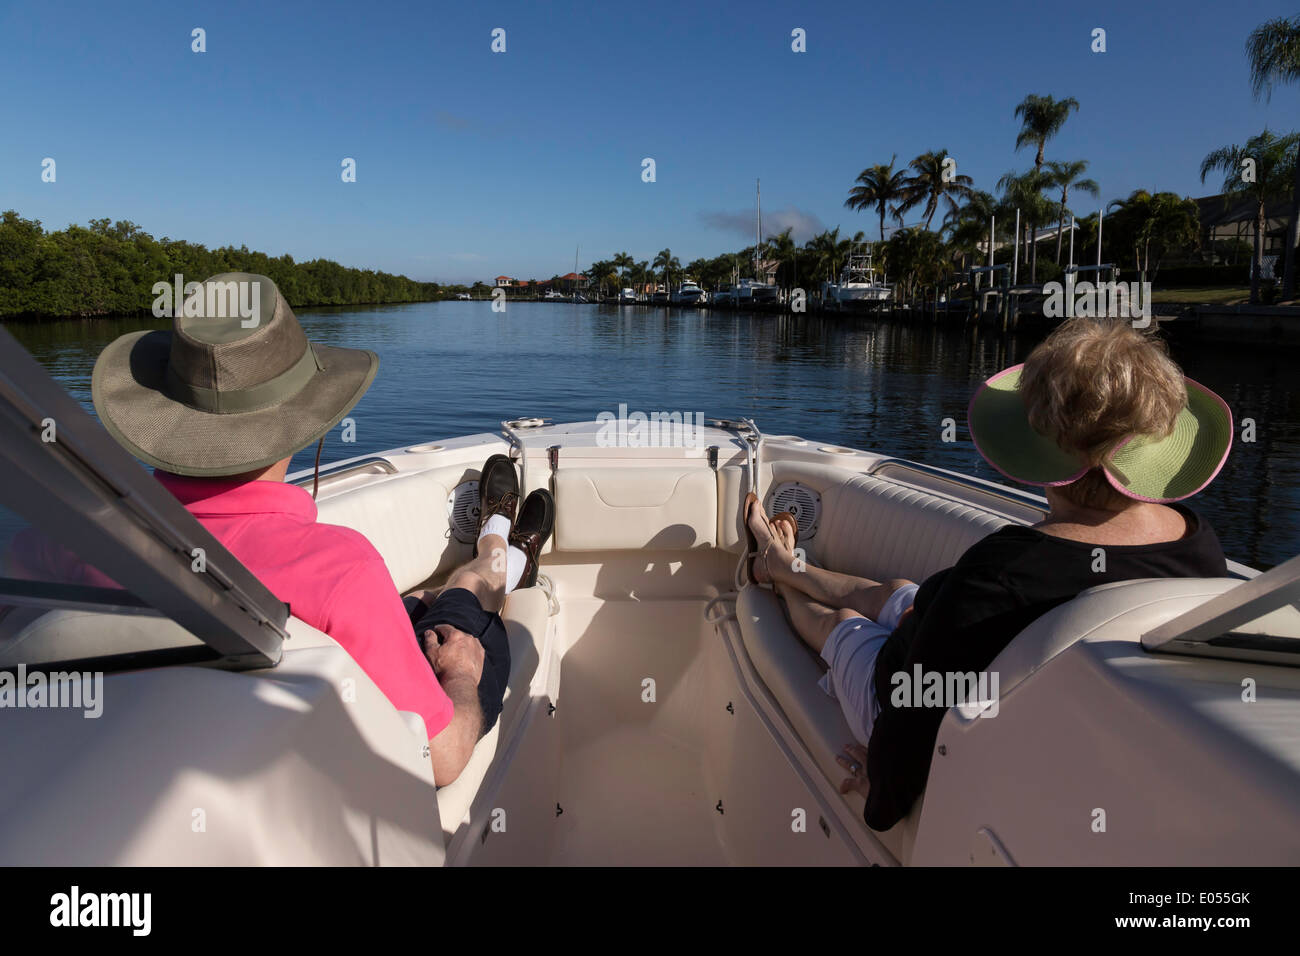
(1257, 620)
(85, 528)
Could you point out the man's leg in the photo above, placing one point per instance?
(460, 608)
(470, 602)
(485, 576)
(475, 593)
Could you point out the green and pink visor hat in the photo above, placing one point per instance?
(1144, 467)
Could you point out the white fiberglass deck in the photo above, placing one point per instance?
(633, 780)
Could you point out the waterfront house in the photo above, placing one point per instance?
(1227, 219)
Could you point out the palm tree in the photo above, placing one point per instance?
(826, 254)
(1087, 228)
(1067, 176)
(642, 272)
(781, 247)
(1275, 160)
(1273, 49)
(623, 262)
(967, 225)
(734, 263)
(1165, 219)
(600, 273)
(1024, 191)
(667, 262)
(918, 259)
(1041, 118)
(929, 184)
(878, 186)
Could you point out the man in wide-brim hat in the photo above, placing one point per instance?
(220, 404)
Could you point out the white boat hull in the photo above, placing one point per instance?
(689, 727)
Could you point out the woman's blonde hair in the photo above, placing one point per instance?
(1091, 384)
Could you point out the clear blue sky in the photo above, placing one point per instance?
(471, 164)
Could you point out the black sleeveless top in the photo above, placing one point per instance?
(965, 615)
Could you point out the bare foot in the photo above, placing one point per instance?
(771, 546)
(787, 533)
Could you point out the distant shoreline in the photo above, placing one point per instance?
(117, 316)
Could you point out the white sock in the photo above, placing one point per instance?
(498, 525)
(515, 562)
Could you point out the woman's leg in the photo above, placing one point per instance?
(812, 620)
(831, 589)
(848, 643)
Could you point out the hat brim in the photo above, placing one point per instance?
(999, 426)
(127, 388)
(1180, 465)
(1161, 470)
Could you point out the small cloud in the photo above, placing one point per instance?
(467, 257)
(451, 121)
(802, 225)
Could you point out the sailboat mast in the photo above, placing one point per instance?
(758, 223)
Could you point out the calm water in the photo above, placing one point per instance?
(450, 368)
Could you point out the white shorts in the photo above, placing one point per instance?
(850, 653)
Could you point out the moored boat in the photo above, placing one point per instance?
(857, 287)
(751, 294)
(689, 294)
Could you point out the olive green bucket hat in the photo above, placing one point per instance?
(1144, 467)
(231, 390)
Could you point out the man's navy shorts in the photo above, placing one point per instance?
(461, 609)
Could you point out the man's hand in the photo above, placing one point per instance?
(458, 663)
(454, 654)
(854, 760)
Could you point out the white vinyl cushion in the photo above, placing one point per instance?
(660, 509)
(526, 616)
(879, 529)
(405, 518)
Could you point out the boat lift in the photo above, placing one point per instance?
(1111, 270)
(1002, 290)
